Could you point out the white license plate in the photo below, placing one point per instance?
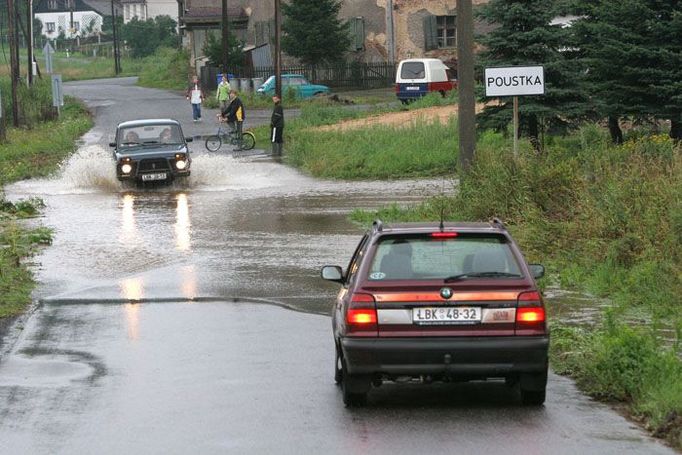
(446, 315)
(155, 176)
(411, 88)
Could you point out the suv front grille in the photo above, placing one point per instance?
(156, 164)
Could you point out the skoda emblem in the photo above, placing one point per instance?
(446, 293)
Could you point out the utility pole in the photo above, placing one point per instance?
(117, 63)
(465, 77)
(29, 39)
(390, 34)
(14, 60)
(278, 49)
(226, 38)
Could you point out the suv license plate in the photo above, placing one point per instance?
(155, 176)
(446, 315)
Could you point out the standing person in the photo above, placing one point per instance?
(195, 96)
(234, 114)
(277, 126)
(223, 92)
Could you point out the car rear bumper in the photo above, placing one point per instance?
(466, 356)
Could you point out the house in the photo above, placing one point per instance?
(425, 28)
(148, 9)
(197, 18)
(72, 18)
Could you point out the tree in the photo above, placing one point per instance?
(213, 50)
(313, 32)
(145, 37)
(633, 50)
(524, 37)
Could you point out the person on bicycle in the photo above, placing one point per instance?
(234, 114)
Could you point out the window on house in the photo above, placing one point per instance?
(446, 31)
(440, 32)
(51, 4)
(50, 26)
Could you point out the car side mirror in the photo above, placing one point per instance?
(189, 139)
(538, 270)
(332, 273)
(112, 144)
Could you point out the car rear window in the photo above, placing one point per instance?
(427, 258)
(412, 70)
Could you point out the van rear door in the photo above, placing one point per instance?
(411, 80)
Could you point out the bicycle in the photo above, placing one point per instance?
(213, 143)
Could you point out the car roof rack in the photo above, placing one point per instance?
(496, 222)
(377, 225)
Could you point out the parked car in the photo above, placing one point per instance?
(151, 151)
(428, 302)
(419, 76)
(296, 82)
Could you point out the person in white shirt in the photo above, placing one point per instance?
(195, 96)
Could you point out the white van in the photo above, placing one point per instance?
(418, 76)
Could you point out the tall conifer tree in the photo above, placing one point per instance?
(313, 31)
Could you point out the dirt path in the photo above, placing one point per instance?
(439, 114)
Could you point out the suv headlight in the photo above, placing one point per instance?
(181, 164)
(126, 168)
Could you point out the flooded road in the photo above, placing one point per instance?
(238, 228)
(165, 323)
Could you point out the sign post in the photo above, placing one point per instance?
(57, 94)
(48, 52)
(515, 81)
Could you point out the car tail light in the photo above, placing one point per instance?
(443, 235)
(530, 314)
(361, 316)
(397, 88)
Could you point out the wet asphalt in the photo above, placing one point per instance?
(191, 319)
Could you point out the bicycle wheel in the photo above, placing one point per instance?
(213, 143)
(248, 140)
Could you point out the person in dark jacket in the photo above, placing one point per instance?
(234, 115)
(277, 126)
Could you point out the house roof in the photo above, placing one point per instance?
(42, 6)
(210, 11)
(103, 7)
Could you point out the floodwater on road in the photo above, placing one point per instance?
(236, 229)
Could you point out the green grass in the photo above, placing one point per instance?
(30, 153)
(379, 151)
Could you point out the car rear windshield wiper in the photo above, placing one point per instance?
(463, 276)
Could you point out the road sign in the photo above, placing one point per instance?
(48, 52)
(57, 94)
(515, 81)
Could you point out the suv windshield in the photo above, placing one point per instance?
(150, 134)
(449, 259)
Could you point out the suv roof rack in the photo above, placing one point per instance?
(377, 225)
(496, 222)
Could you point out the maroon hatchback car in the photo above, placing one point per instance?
(448, 302)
